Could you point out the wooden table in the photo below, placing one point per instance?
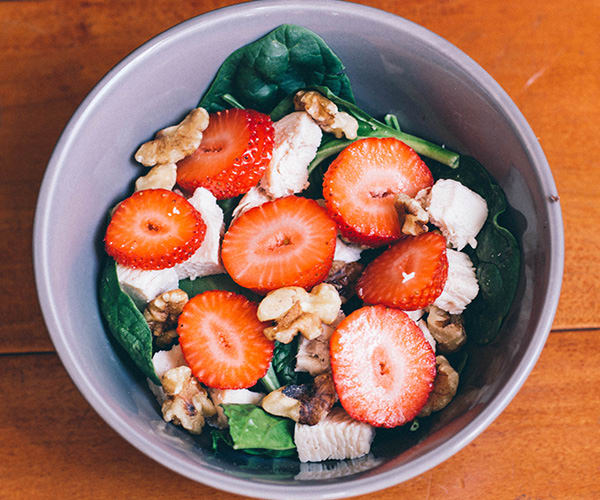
(545, 53)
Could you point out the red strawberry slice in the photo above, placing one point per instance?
(383, 368)
(235, 150)
(222, 340)
(286, 242)
(409, 275)
(154, 229)
(361, 183)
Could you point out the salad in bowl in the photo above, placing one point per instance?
(292, 274)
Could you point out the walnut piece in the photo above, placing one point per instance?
(445, 386)
(343, 276)
(294, 311)
(160, 177)
(305, 403)
(161, 315)
(412, 216)
(326, 114)
(186, 403)
(447, 329)
(174, 143)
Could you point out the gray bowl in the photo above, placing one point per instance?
(394, 65)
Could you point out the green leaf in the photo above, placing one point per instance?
(222, 437)
(497, 258)
(275, 66)
(284, 361)
(125, 321)
(270, 381)
(215, 282)
(228, 206)
(251, 427)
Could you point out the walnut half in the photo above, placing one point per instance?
(412, 216)
(294, 311)
(174, 143)
(447, 329)
(445, 386)
(326, 114)
(186, 403)
(161, 315)
(305, 403)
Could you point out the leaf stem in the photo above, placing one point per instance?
(270, 380)
(229, 99)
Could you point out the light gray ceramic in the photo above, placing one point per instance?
(394, 65)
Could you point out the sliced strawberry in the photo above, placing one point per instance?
(383, 368)
(361, 183)
(222, 340)
(154, 229)
(233, 155)
(409, 275)
(285, 242)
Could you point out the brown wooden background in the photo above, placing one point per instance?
(545, 53)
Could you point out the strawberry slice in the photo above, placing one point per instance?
(286, 242)
(361, 183)
(222, 340)
(383, 368)
(409, 275)
(235, 150)
(154, 229)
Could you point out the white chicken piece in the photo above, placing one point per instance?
(415, 315)
(313, 355)
(461, 286)
(164, 361)
(297, 138)
(422, 324)
(143, 286)
(206, 260)
(336, 437)
(346, 252)
(253, 198)
(459, 212)
(230, 396)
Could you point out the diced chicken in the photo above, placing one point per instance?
(415, 315)
(422, 324)
(459, 212)
(313, 355)
(163, 361)
(346, 252)
(205, 260)
(143, 286)
(253, 198)
(235, 396)
(461, 286)
(336, 437)
(230, 396)
(297, 138)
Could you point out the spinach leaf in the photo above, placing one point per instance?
(284, 361)
(215, 282)
(228, 206)
(497, 257)
(285, 60)
(222, 436)
(125, 321)
(250, 427)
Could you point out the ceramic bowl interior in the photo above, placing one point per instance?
(394, 66)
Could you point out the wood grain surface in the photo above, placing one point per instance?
(545, 54)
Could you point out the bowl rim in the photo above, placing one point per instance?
(259, 489)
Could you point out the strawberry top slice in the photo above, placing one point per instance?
(235, 150)
(154, 229)
(361, 183)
